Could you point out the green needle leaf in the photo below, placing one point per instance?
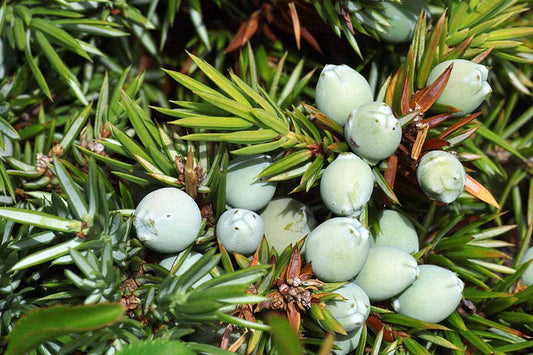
(496, 139)
(508, 33)
(38, 75)
(102, 107)
(287, 162)
(130, 145)
(160, 346)
(8, 130)
(97, 30)
(410, 322)
(227, 105)
(197, 21)
(437, 340)
(40, 219)
(205, 349)
(384, 186)
(47, 254)
(20, 33)
(144, 127)
(242, 137)
(6, 182)
(242, 322)
(60, 67)
(270, 120)
(285, 339)
(49, 323)
(474, 339)
(275, 81)
(72, 193)
(415, 347)
(291, 83)
(221, 81)
(260, 148)
(107, 160)
(58, 35)
(213, 122)
(75, 128)
(190, 83)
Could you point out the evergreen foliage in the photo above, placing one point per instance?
(105, 101)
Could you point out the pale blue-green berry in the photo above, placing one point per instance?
(527, 276)
(347, 343)
(402, 19)
(337, 249)
(467, 87)
(346, 185)
(395, 230)
(340, 90)
(432, 297)
(167, 220)
(287, 221)
(191, 258)
(387, 272)
(7, 150)
(352, 312)
(240, 230)
(441, 176)
(243, 189)
(373, 132)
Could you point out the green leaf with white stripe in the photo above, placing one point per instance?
(60, 67)
(37, 74)
(286, 163)
(75, 128)
(220, 80)
(73, 195)
(59, 35)
(223, 123)
(40, 219)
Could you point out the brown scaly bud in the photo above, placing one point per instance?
(57, 150)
